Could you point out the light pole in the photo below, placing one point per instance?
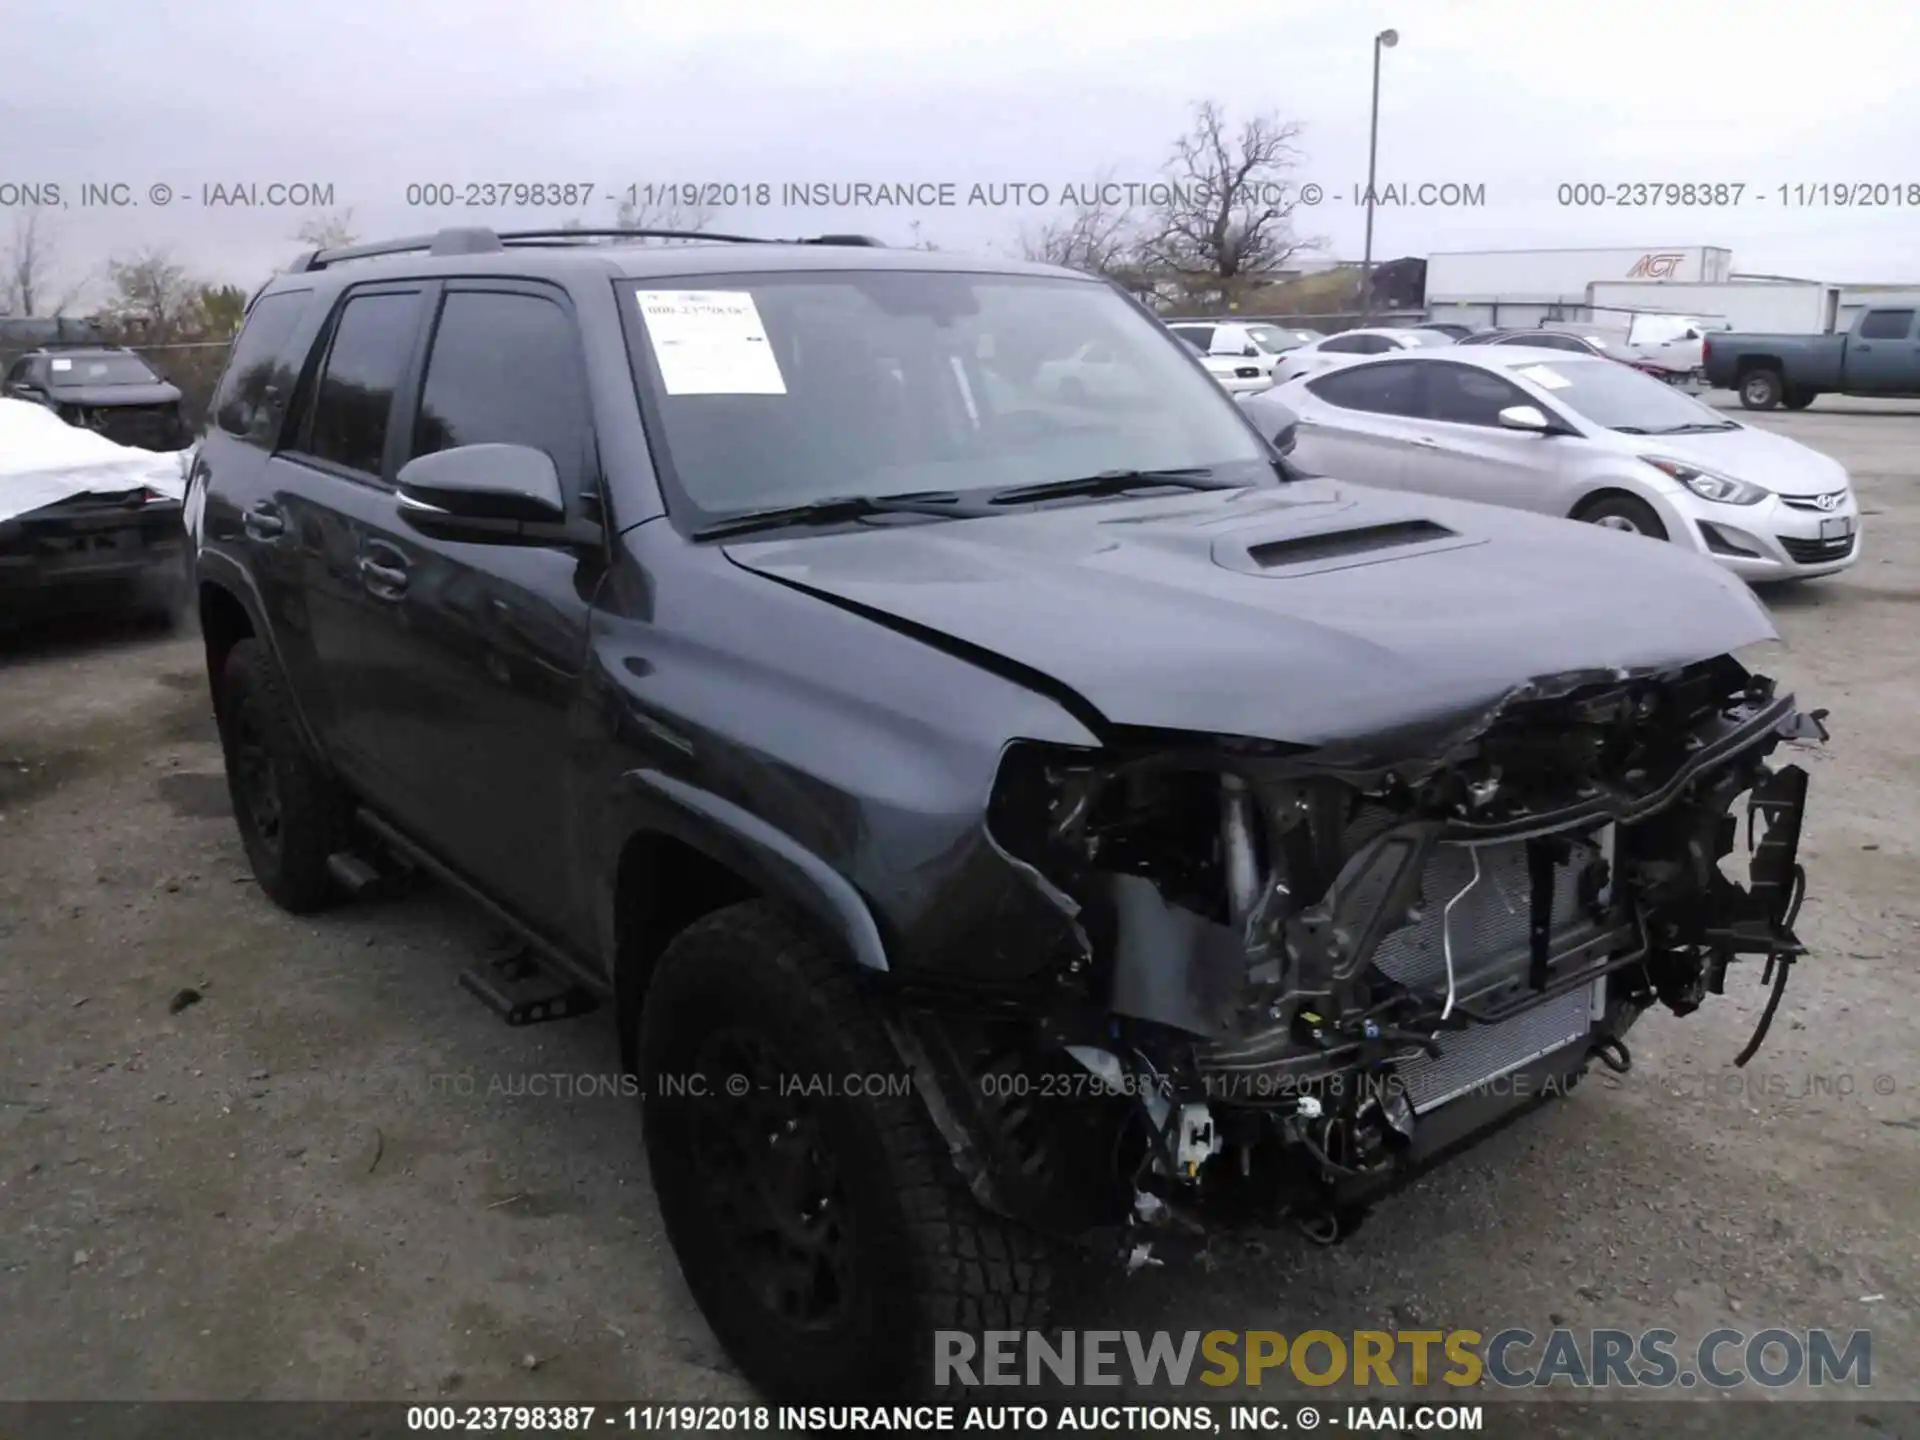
(1385, 40)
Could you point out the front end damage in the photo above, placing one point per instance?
(1301, 976)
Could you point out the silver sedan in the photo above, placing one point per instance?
(1578, 436)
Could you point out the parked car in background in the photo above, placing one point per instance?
(1257, 341)
(85, 524)
(1579, 436)
(105, 388)
(1880, 355)
(1447, 328)
(1351, 345)
(1097, 372)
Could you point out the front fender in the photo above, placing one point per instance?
(763, 854)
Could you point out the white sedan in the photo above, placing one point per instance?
(1096, 372)
(1351, 345)
(1578, 436)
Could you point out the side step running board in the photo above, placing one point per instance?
(522, 992)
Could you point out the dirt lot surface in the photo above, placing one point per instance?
(333, 1174)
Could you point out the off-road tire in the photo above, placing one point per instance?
(928, 1257)
(1611, 510)
(1800, 399)
(255, 708)
(1762, 389)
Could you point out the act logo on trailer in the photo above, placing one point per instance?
(1656, 265)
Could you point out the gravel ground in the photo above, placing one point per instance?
(243, 1155)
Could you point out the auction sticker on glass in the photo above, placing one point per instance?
(710, 342)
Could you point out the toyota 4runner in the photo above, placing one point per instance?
(1194, 842)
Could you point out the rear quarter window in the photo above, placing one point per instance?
(254, 389)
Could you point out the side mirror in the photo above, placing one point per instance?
(1523, 417)
(489, 494)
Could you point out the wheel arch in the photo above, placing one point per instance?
(687, 852)
(1609, 492)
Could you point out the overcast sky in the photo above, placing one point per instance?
(369, 96)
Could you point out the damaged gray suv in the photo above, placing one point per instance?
(1002, 825)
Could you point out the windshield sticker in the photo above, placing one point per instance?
(1543, 377)
(710, 342)
(63, 364)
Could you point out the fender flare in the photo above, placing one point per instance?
(775, 862)
(221, 572)
(781, 865)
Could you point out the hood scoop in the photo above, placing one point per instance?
(1339, 547)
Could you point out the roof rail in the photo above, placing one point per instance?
(457, 240)
(478, 240)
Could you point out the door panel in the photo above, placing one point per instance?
(489, 644)
(1359, 423)
(1888, 363)
(1462, 450)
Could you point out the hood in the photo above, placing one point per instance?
(160, 394)
(1757, 456)
(1312, 613)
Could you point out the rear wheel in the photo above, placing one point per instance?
(1762, 389)
(820, 1223)
(291, 813)
(1800, 399)
(1624, 512)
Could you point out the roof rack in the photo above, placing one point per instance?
(479, 240)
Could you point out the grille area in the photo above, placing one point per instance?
(1476, 1057)
(1815, 552)
(1833, 498)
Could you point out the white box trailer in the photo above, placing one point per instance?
(1778, 307)
(1536, 277)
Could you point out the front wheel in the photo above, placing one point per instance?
(1762, 389)
(1800, 399)
(1624, 512)
(815, 1211)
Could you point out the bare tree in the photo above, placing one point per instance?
(27, 283)
(1224, 220)
(1098, 235)
(328, 231)
(153, 296)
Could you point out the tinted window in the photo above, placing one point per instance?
(1389, 389)
(260, 374)
(1357, 344)
(355, 394)
(1886, 325)
(1466, 396)
(17, 371)
(1198, 336)
(505, 370)
(788, 387)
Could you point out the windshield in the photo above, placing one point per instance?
(1274, 340)
(778, 390)
(100, 370)
(1620, 397)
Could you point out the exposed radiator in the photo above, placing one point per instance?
(1483, 1053)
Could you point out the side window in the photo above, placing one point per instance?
(1348, 344)
(1200, 337)
(260, 375)
(1392, 388)
(17, 371)
(1465, 395)
(354, 397)
(505, 369)
(1886, 325)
